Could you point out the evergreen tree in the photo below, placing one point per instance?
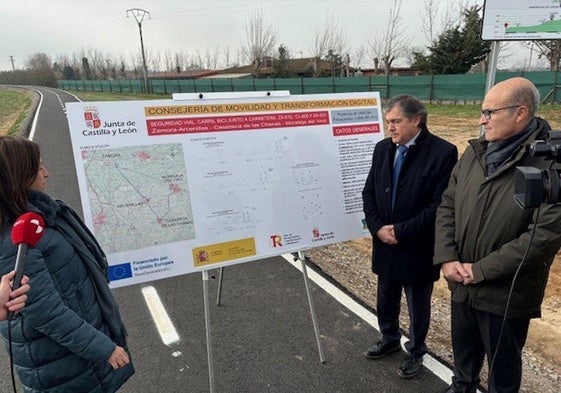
(336, 62)
(281, 64)
(458, 48)
(68, 73)
(86, 69)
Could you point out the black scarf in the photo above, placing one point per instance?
(61, 217)
(498, 152)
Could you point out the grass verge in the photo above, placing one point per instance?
(14, 105)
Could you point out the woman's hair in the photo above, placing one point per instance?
(20, 160)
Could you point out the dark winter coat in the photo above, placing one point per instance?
(423, 177)
(479, 222)
(69, 327)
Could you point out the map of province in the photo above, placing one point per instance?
(139, 196)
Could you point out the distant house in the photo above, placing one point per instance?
(394, 71)
(188, 74)
(304, 67)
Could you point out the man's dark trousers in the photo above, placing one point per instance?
(418, 303)
(476, 333)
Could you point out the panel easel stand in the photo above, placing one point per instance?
(205, 275)
(297, 256)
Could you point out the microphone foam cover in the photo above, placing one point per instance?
(28, 229)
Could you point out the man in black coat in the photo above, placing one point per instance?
(410, 170)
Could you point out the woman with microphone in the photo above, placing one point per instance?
(69, 337)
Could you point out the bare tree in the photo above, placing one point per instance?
(39, 61)
(227, 56)
(332, 39)
(239, 57)
(154, 60)
(432, 26)
(260, 42)
(454, 13)
(199, 59)
(135, 63)
(392, 43)
(168, 60)
(209, 59)
(98, 62)
(428, 15)
(178, 64)
(358, 56)
(548, 49)
(332, 36)
(182, 60)
(62, 61)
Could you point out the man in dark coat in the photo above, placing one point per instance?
(494, 255)
(410, 170)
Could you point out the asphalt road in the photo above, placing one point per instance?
(262, 333)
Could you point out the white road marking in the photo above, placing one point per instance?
(160, 316)
(437, 368)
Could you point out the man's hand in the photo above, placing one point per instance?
(119, 358)
(456, 271)
(469, 278)
(387, 235)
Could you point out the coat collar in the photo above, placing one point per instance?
(42, 203)
(479, 145)
(421, 138)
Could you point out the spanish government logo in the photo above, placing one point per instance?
(91, 116)
(202, 256)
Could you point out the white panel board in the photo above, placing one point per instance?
(172, 187)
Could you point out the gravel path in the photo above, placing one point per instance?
(348, 264)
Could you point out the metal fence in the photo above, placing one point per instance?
(465, 88)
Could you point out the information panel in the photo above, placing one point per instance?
(171, 187)
(521, 20)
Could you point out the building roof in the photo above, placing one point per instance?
(229, 75)
(187, 74)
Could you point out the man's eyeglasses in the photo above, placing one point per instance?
(488, 112)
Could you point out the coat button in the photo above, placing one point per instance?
(387, 190)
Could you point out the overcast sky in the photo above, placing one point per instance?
(66, 27)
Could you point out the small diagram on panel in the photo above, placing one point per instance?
(231, 220)
(275, 150)
(306, 174)
(267, 176)
(310, 204)
(307, 177)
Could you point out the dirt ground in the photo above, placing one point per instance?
(349, 265)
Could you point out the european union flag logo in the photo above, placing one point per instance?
(120, 272)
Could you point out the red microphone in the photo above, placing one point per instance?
(26, 232)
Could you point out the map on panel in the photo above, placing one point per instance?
(522, 20)
(139, 196)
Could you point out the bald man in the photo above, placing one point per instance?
(486, 244)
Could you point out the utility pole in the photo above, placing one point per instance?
(139, 15)
(12, 60)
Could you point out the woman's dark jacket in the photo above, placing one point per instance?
(70, 325)
(423, 177)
